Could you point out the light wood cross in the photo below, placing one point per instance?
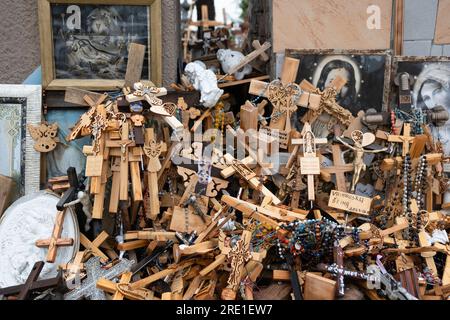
(93, 247)
(153, 150)
(283, 95)
(238, 167)
(339, 169)
(205, 22)
(406, 139)
(55, 241)
(151, 94)
(309, 163)
(328, 102)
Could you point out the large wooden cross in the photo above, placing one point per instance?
(55, 241)
(328, 102)
(309, 163)
(283, 106)
(406, 139)
(339, 169)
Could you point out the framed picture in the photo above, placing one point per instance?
(85, 43)
(20, 105)
(431, 87)
(367, 74)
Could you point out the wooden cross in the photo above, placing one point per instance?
(151, 94)
(112, 287)
(248, 175)
(239, 255)
(309, 163)
(55, 241)
(153, 150)
(32, 284)
(446, 274)
(205, 22)
(95, 272)
(406, 139)
(285, 96)
(338, 169)
(93, 247)
(328, 102)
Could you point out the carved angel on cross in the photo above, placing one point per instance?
(361, 140)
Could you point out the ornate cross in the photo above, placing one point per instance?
(153, 150)
(95, 272)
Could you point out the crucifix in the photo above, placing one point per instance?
(285, 95)
(309, 163)
(153, 150)
(151, 94)
(32, 284)
(328, 102)
(361, 140)
(339, 169)
(406, 139)
(55, 241)
(239, 255)
(95, 272)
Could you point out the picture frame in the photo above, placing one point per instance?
(430, 87)
(20, 105)
(84, 43)
(370, 71)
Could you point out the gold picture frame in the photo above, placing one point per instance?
(49, 78)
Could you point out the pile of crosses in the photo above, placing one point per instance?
(350, 213)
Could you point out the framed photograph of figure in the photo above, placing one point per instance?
(85, 43)
(367, 74)
(430, 87)
(20, 105)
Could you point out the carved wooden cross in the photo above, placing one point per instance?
(309, 163)
(339, 169)
(282, 95)
(55, 241)
(239, 255)
(328, 102)
(248, 175)
(151, 94)
(406, 139)
(95, 272)
(153, 150)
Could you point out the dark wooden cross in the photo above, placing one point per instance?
(23, 291)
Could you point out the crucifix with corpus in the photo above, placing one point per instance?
(309, 163)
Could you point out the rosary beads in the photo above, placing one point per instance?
(407, 194)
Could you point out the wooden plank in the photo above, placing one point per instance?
(319, 288)
(77, 96)
(136, 181)
(115, 189)
(442, 33)
(132, 245)
(135, 64)
(326, 26)
(249, 116)
(7, 186)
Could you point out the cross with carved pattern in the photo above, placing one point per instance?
(283, 94)
(328, 102)
(406, 139)
(240, 254)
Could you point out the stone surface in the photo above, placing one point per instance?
(420, 19)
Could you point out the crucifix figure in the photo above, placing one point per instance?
(95, 272)
(361, 140)
(240, 254)
(309, 163)
(55, 241)
(406, 139)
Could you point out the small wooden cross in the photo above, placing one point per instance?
(112, 287)
(282, 95)
(248, 175)
(406, 139)
(93, 247)
(328, 102)
(32, 284)
(55, 241)
(239, 255)
(309, 163)
(339, 169)
(153, 150)
(205, 22)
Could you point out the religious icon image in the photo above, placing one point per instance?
(430, 90)
(92, 41)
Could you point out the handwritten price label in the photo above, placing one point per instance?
(350, 202)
